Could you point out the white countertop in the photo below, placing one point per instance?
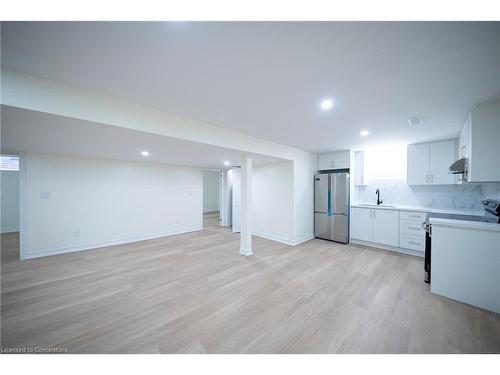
(419, 209)
(465, 224)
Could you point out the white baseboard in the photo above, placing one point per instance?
(272, 237)
(283, 240)
(95, 245)
(10, 230)
(389, 248)
(246, 252)
(302, 239)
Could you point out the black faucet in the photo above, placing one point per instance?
(379, 201)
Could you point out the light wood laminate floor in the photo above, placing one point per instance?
(193, 293)
(211, 219)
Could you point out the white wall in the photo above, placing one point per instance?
(10, 201)
(303, 193)
(211, 191)
(272, 202)
(97, 202)
(283, 200)
(30, 92)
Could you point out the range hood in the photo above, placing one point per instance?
(460, 167)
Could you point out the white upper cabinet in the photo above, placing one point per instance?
(334, 160)
(464, 141)
(483, 135)
(418, 164)
(428, 163)
(441, 156)
(359, 168)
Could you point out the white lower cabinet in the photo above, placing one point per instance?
(375, 225)
(362, 225)
(386, 227)
(411, 231)
(399, 229)
(412, 243)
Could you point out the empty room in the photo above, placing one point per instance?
(250, 187)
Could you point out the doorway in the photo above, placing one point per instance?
(211, 198)
(9, 178)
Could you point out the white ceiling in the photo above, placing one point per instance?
(267, 79)
(24, 130)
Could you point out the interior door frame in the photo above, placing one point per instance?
(219, 206)
(23, 235)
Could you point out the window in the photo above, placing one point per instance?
(9, 163)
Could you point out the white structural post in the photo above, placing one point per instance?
(246, 206)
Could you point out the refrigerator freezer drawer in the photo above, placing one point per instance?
(331, 227)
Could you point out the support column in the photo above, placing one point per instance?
(246, 206)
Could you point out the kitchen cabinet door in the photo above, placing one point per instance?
(386, 227)
(484, 150)
(441, 155)
(361, 224)
(359, 168)
(464, 141)
(334, 160)
(418, 164)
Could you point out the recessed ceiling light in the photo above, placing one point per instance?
(326, 104)
(226, 163)
(364, 133)
(145, 153)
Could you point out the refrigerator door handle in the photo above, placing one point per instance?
(330, 209)
(332, 181)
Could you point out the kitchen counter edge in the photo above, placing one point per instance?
(420, 209)
(465, 224)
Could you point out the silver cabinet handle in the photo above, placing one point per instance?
(374, 214)
(432, 178)
(427, 178)
(414, 228)
(414, 243)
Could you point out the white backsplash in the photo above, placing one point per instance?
(397, 192)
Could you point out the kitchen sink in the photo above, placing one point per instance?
(375, 205)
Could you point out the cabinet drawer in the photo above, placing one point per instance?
(412, 242)
(411, 215)
(411, 227)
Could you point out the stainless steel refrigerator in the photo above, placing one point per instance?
(331, 206)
